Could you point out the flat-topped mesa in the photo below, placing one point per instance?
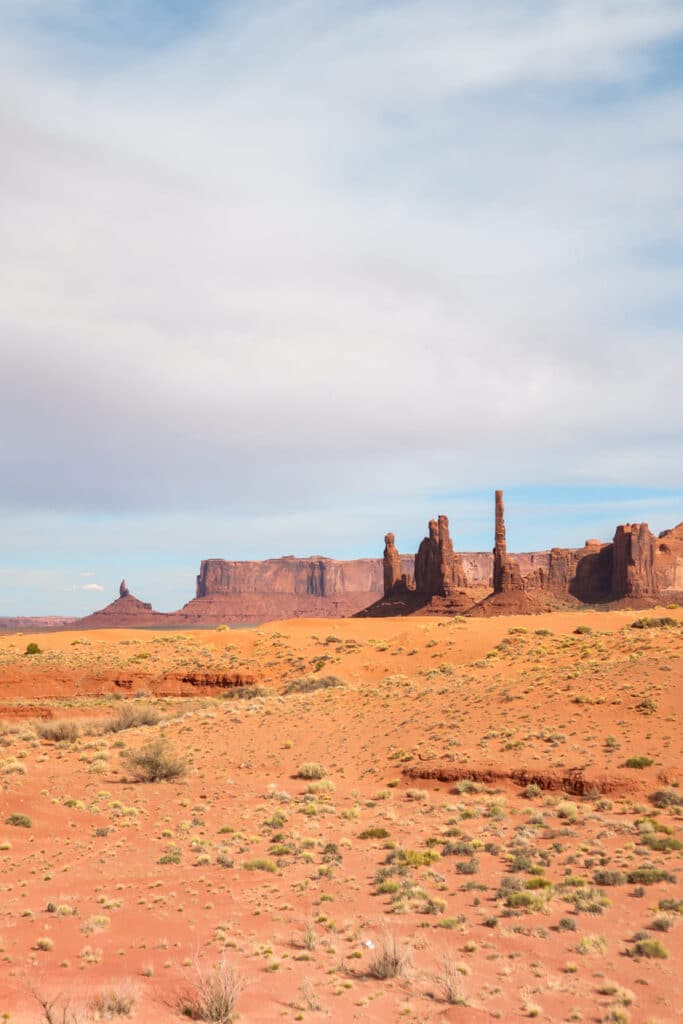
(123, 589)
(438, 570)
(500, 545)
(392, 563)
(633, 562)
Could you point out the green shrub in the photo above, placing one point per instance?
(260, 864)
(19, 820)
(649, 622)
(649, 876)
(651, 948)
(609, 878)
(374, 833)
(583, 630)
(640, 761)
(155, 762)
(32, 648)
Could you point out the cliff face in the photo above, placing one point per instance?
(313, 577)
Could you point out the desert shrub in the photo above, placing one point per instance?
(531, 791)
(44, 944)
(609, 878)
(583, 630)
(32, 648)
(214, 995)
(650, 622)
(244, 693)
(651, 948)
(311, 770)
(391, 960)
(114, 1002)
(664, 798)
(260, 864)
(155, 762)
(566, 924)
(307, 684)
(649, 876)
(130, 716)
(663, 844)
(639, 761)
(62, 731)
(19, 821)
(374, 833)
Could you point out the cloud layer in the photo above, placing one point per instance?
(297, 255)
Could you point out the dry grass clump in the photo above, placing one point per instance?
(307, 684)
(114, 1002)
(391, 959)
(449, 981)
(131, 716)
(62, 731)
(213, 995)
(155, 762)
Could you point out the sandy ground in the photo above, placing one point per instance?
(524, 901)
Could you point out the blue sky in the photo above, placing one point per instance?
(278, 277)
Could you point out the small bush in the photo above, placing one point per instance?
(307, 684)
(62, 731)
(609, 878)
(155, 762)
(640, 761)
(650, 948)
(260, 864)
(449, 981)
(583, 630)
(214, 995)
(664, 798)
(649, 876)
(311, 770)
(19, 821)
(374, 833)
(32, 648)
(650, 622)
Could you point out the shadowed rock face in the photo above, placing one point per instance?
(123, 589)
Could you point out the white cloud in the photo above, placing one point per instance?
(89, 586)
(317, 254)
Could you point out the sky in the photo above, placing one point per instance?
(278, 276)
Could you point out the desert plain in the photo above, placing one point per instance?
(366, 820)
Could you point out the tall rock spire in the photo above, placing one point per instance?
(500, 549)
(392, 563)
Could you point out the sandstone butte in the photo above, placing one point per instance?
(636, 569)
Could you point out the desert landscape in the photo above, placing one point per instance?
(341, 512)
(420, 819)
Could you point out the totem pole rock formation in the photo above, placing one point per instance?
(500, 545)
(392, 563)
(123, 589)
